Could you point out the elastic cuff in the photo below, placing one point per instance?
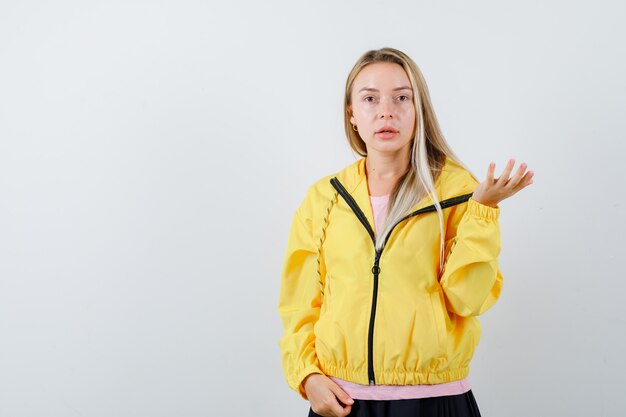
(483, 211)
(296, 382)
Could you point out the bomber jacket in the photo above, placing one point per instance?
(389, 316)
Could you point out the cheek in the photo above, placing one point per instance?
(360, 114)
(409, 115)
(409, 119)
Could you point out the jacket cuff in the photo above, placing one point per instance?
(483, 211)
(296, 380)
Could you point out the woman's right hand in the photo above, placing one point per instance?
(324, 396)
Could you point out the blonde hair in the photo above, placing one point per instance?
(428, 151)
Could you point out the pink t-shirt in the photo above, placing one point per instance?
(397, 392)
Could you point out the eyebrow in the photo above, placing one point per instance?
(395, 89)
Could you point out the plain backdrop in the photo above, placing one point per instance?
(152, 155)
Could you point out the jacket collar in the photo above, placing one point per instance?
(354, 179)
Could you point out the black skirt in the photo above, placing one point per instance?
(461, 405)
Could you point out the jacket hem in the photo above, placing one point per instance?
(396, 376)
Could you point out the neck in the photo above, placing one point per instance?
(386, 167)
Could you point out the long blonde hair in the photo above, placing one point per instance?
(428, 151)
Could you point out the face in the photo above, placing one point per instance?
(382, 108)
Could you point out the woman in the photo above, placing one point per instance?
(390, 260)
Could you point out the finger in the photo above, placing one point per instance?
(517, 177)
(346, 410)
(490, 171)
(504, 178)
(528, 178)
(341, 394)
(337, 410)
(524, 182)
(328, 406)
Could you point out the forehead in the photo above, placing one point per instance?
(381, 76)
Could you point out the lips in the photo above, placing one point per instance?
(387, 129)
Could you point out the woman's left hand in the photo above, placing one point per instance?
(491, 191)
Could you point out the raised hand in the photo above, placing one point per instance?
(493, 190)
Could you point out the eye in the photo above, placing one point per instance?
(403, 98)
(368, 98)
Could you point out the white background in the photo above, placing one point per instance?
(152, 155)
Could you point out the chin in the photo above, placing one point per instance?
(391, 147)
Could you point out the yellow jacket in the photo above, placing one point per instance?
(390, 316)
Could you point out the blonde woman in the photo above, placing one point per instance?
(390, 259)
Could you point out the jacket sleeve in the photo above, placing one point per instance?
(299, 303)
(471, 278)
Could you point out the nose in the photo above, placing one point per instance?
(385, 110)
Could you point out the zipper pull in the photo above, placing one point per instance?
(376, 268)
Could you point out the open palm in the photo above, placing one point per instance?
(493, 190)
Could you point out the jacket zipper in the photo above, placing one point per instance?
(376, 268)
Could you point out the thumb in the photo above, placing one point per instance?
(341, 394)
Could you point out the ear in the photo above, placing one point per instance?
(352, 119)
